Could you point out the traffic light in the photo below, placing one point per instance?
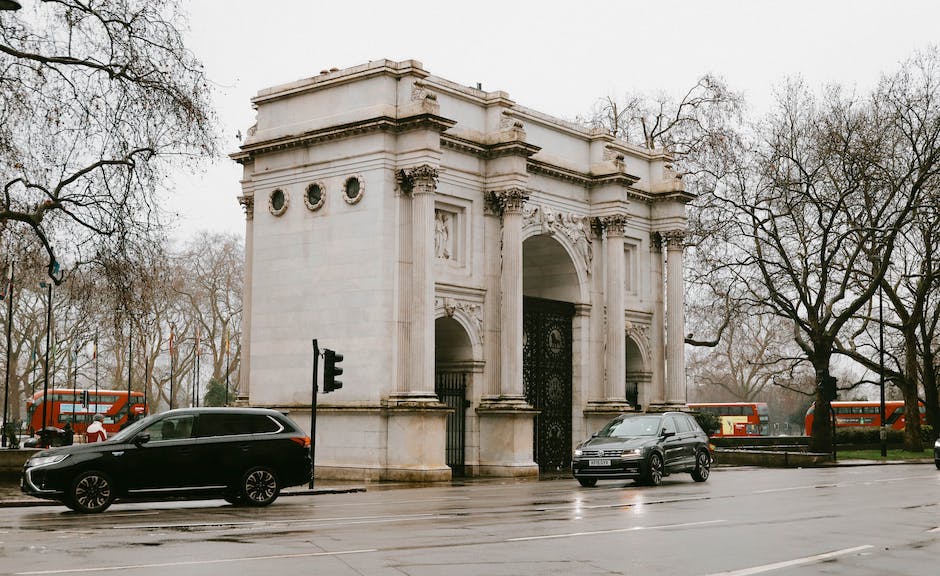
(829, 387)
(85, 400)
(331, 370)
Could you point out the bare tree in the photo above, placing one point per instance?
(99, 99)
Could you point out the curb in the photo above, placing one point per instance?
(34, 502)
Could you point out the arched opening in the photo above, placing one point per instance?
(453, 356)
(551, 287)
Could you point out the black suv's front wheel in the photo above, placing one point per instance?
(91, 492)
(654, 470)
(703, 466)
(259, 486)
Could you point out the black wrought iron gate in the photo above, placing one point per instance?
(546, 370)
(451, 389)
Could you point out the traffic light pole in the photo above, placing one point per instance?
(313, 411)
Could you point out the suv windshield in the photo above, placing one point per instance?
(632, 426)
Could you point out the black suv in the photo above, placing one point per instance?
(644, 447)
(245, 455)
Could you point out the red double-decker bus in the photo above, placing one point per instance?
(78, 408)
(738, 418)
(866, 414)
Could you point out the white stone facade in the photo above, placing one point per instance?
(411, 224)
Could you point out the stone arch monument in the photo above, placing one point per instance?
(500, 282)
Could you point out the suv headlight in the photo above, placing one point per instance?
(46, 460)
(632, 454)
(577, 451)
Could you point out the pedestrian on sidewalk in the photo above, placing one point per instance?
(96, 431)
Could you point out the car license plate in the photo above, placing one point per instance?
(599, 462)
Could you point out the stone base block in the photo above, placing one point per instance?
(417, 437)
(506, 433)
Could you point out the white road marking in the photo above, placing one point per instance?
(348, 519)
(614, 531)
(194, 562)
(794, 562)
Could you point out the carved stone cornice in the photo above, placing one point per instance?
(508, 201)
(248, 205)
(426, 121)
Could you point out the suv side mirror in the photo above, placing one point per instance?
(142, 439)
(667, 433)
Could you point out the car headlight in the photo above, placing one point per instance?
(46, 460)
(937, 443)
(577, 451)
(634, 453)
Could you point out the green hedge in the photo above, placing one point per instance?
(870, 435)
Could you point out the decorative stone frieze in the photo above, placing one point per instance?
(469, 310)
(575, 227)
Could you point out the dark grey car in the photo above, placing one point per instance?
(644, 447)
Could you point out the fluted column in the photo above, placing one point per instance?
(244, 366)
(675, 322)
(615, 386)
(658, 327)
(510, 203)
(423, 180)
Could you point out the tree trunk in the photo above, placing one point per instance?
(908, 385)
(821, 436)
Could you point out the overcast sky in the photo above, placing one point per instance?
(555, 56)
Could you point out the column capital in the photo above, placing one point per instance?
(615, 224)
(248, 205)
(508, 201)
(418, 180)
(674, 239)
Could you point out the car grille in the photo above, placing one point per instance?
(600, 453)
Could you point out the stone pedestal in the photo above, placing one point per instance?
(417, 434)
(506, 431)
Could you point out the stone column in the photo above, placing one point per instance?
(506, 419)
(421, 382)
(615, 386)
(675, 323)
(658, 328)
(244, 368)
(510, 340)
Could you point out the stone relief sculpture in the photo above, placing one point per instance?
(469, 310)
(443, 247)
(573, 226)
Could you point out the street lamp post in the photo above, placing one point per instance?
(883, 432)
(45, 370)
(6, 385)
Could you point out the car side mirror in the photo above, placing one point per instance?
(142, 439)
(667, 433)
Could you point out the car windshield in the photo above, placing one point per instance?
(632, 426)
(126, 434)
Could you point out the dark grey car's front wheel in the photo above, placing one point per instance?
(91, 492)
(703, 466)
(259, 487)
(654, 470)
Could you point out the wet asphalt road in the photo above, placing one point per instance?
(874, 520)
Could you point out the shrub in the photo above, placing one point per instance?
(708, 421)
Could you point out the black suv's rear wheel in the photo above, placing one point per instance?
(259, 486)
(91, 492)
(703, 466)
(654, 470)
